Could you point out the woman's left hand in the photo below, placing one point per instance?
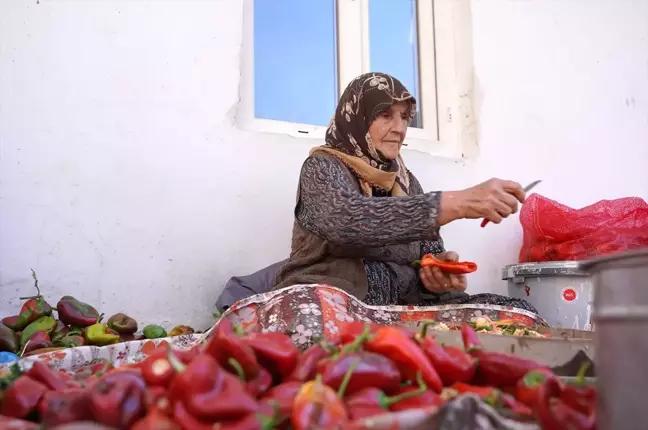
(436, 281)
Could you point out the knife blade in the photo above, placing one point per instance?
(528, 188)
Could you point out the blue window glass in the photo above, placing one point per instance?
(295, 60)
(393, 43)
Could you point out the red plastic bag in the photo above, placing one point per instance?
(555, 232)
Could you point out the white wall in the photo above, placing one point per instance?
(125, 183)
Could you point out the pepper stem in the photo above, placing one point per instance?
(238, 330)
(424, 328)
(99, 318)
(353, 346)
(416, 263)
(388, 401)
(174, 361)
(237, 368)
(582, 370)
(35, 285)
(347, 377)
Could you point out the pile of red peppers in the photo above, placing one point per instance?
(261, 381)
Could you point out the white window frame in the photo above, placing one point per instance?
(445, 75)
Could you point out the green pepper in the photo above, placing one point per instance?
(8, 339)
(153, 331)
(71, 341)
(45, 324)
(99, 334)
(74, 312)
(122, 323)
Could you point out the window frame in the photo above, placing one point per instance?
(445, 55)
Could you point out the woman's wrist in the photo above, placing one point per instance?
(451, 207)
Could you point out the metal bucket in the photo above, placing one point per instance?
(561, 291)
(621, 318)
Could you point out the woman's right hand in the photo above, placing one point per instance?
(494, 200)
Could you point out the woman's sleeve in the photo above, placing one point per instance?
(331, 207)
(433, 247)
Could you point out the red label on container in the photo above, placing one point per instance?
(569, 294)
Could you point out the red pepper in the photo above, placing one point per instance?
(21, 398)
(554, 414)
(528, 388)
(275, 350)
(423, 399)
(515, 406)
(306, 365)
(226, 344)
(42, 373)
(64, 407)
(501, 370)
(19, 322)
(578, 394)
(209, 392)
(266, 418)
(258, 386)
(372, 401)
(317, 406)
(157, 371)
(490, 395)
(406, 354)
(471, 342)
(452, 364)
(117, 403)
(455, 267)
(74, 312)
(186, 421)
(351, 331)
(371, 370)
(283, 395)
(155, 420)
(38, 340)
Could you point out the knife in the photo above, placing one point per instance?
(526, 190)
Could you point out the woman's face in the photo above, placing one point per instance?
(389, 128)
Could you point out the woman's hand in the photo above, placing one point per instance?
(436, 281)
(494, 200)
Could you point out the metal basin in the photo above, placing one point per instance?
(620, 318)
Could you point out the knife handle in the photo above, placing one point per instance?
(484, 222)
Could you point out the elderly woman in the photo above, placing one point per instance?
(362, 218)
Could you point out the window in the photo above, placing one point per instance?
(298, 56)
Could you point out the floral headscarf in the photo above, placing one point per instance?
(347, 136)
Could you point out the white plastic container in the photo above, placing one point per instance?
(561, 292)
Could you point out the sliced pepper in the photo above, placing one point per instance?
(454, 267)
(122, 323)
(207, 391)
(9, 340)
(22, 397)
(76, 313)
(371, 370)
(43, 324)
(275, 351)
(99, 334)
(226, 344)
(406, 354)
